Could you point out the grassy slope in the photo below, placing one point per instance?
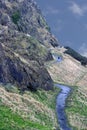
(77, 109)
(31, 111)
(12, 121)
(69, 71)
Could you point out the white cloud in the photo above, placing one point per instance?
(77, 9)
(51, 10)
(83, 49)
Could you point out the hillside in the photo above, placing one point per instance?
(76, 56)
(28, 110)
(68, 71)
(65, 69)
(25, 39)
(31, 61)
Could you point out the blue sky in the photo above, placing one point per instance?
(68, 21)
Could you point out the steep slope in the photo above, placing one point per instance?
(77, 108)
(24, 16)
(68, 70)
(25, 41)
(22, 72)
(24, 45)
(30, 110)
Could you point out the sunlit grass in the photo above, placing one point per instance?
(29, 110)
(77, 109)
(13, 121)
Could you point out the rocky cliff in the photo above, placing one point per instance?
(25, 39)
(24, 16)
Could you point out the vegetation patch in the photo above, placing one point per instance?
(76, 55)
(13, 121)
(28, 111)
(15, 17)
(77, 109)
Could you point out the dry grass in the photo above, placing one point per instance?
(29, 105)
(77, 109)
(68, 71)
(77, 121)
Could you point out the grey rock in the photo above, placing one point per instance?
(25, 39)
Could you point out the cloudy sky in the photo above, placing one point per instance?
(68, 21)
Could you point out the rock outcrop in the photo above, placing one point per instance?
(25, 40)
(24, 16)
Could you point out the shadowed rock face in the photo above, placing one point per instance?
(26, 75)
(24, 45)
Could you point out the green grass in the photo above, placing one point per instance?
(77, 106)
(48, 98)
(16, 17)
(10, 120)
(35, 48)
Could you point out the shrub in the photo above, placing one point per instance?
(77, 56)
(16, 17)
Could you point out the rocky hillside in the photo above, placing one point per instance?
(30, 58)
(25, 39)
(24, 16)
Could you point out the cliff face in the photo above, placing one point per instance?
(24, 16)
(22, 72)
(25, 39)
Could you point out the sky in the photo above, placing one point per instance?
(68, 22)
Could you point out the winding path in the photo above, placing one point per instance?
(61, 101)
(60, 106)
